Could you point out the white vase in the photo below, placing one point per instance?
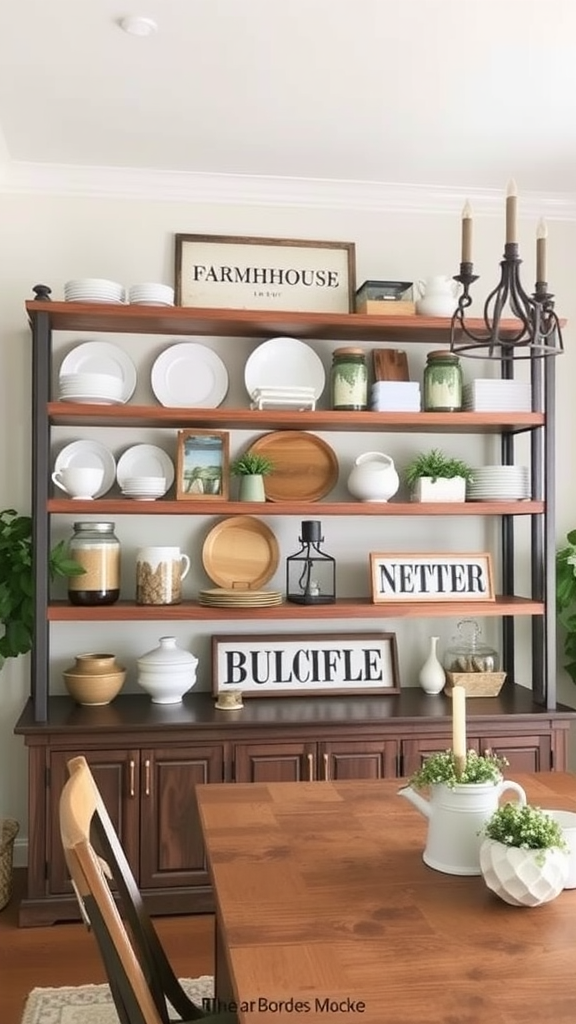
(373, 477)
(432, 676)
(523, 878)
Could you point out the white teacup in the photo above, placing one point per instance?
(567, 822)
(80, 482)
(159, 575)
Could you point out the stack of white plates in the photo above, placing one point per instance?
(151, 295)
(496, 395)
(499, 483)
(93, 289)
(277, 396)
(395, 396)
(144, 488)
(100, 388)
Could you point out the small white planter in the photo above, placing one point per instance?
(523, 878)
(441, 489)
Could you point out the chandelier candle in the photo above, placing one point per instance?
(541, 236)
(467, 233)
(511, 211)
(459, 727)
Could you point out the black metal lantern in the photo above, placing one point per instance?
(311, 573)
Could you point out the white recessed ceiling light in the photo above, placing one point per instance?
(136, 25)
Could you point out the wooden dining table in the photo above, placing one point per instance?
(325, 911)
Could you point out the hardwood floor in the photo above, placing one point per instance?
(66, 954)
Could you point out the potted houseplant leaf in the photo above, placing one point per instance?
(524, 856)
(16, 581)
(566, 600)
(251, 467)
(435, 476)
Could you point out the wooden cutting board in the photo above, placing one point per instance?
(390, 364)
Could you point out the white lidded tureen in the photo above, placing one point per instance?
(167, 672)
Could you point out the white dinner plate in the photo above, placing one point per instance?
(145, 460)
(102, 357)
(190, 376)
(89, 455)
(284, 362)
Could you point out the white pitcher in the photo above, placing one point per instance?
(373, 477)
(455, 817)
(438, 296)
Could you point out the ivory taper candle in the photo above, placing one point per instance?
(511, 211)
(541, 236)
(459, 727)
(466, 233)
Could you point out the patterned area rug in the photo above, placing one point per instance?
(92, 1004)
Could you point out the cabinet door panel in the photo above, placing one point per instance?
(172, 851)
(523, 753)
(355, 759)
(116, 775)
(292, 761)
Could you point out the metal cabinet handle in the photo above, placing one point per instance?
(147, 777)
(310, 759)
(326, 767)
(131, 778)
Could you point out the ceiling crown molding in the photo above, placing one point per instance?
(255, 190)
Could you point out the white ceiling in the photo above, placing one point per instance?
(458, 94)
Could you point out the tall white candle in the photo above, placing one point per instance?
(511, 211)
(466, 233)
(541, 236)
(459, 726)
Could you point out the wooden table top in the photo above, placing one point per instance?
(323, 898)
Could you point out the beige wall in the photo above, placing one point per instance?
(51, 239)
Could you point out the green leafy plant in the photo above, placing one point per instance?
(252, 464)
(441, 767)
(16, 581)
(566, 600)
(526, 827)
(435, 464)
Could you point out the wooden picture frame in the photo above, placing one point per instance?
(440, 576)
(202, 465)
(304, 664)
(229, 272)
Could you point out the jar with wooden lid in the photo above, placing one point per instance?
(442, 382)
(96, 549)
(349, 379)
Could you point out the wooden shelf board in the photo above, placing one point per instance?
(118, 506)
(345, 608)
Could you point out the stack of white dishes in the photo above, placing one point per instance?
(395, 396)
(98, 359)
(144, 488)
(100, 388)
(93, 289)
(499, 483)
(151, 295)
(89, 454)
(278, 397)
(496, 395)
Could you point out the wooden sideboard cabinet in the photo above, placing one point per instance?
(147, 764)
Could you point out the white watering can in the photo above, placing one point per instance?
(455, 817)
(438, 296)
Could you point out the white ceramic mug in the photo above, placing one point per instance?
(159, 575)
(567, 822)
(80, 482)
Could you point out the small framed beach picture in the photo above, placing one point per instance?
(202, 465)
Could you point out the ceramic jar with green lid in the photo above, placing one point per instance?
(442, 382)
(349, 379)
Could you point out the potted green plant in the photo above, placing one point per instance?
(252, 467)
(566, 600)
(16, 581)
(441, 768)
(524, 856)
(435, 476)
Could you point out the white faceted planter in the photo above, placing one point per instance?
(523, 878)
(426, 488)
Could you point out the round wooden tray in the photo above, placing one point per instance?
(305, 466)
(240, 553)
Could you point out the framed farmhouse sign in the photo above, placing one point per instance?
(296, 664)
(224, 272)
(402, 578)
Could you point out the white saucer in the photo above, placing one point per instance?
(284, 363)
(189, 376)
(102, 357)
(90, 455)
(145, 460)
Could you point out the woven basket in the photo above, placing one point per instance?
(476, 684)
(8, 832)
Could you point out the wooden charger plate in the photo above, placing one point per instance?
(305, 466)
(240, 553)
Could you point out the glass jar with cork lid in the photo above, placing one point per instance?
(442, 382)
(349, 379)
(96, 549)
